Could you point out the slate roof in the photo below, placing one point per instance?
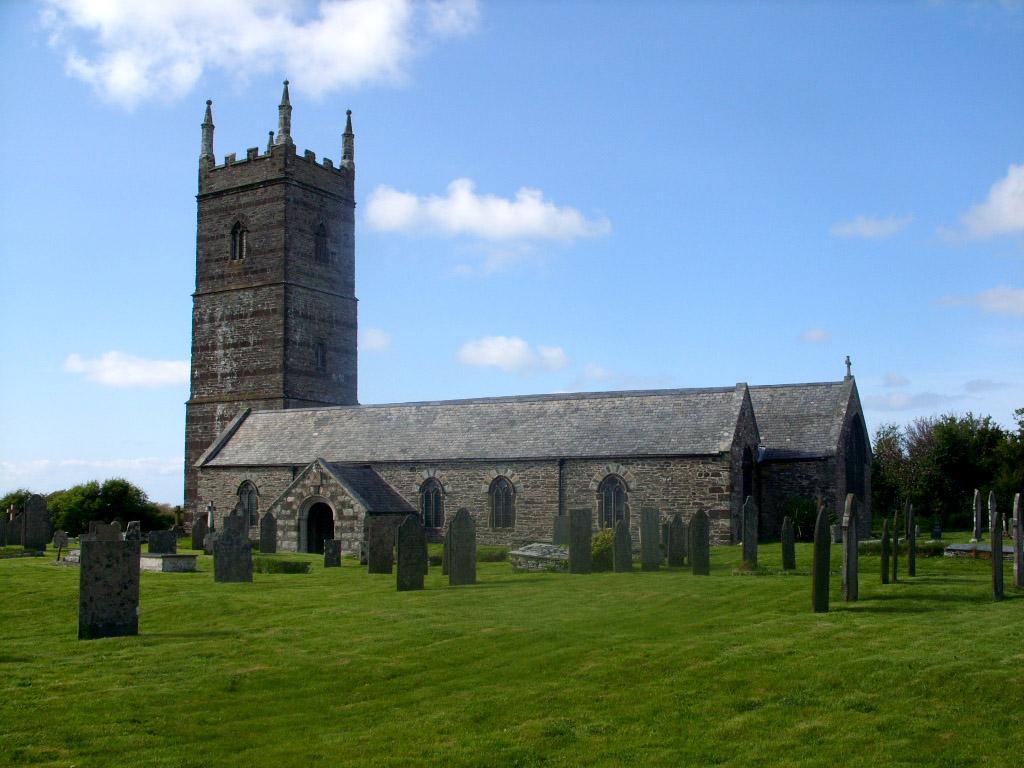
(597, 425)
(370, 488)
(800, 420)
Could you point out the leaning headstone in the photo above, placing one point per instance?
(911, 541)
(788, 545)
(1018, 543)
(108, 584)
(676, 554)
(332, 553)
(700, 544)
(561, 532)
(622, 548)
(650, 539)
(163, 543)
(133, 532)
(580, 541)
(36, 522)
(976, 536)
(232, 552)
(198, 531)
(462, 557)
(885, 550)
(850, 571)
(380, 545)
(749, 533)
(995, 516)
(412, 551)
(60, 542)
(820, 563)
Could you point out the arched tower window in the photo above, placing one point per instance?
(503, 503)
(239, 241)
(432, 504)
(612, 501)
(320, 248)
(249, 500)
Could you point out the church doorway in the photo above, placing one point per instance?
(319, 526)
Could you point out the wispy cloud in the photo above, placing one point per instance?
(870, 227)
(511, 353)
(461, 211)
(374, 340)
(815, 336)
(978, 386)
(594, 376)
(132, 51)
(905, 401)
(895, 380)
(1001, 213)
(1002, 300)
(117, 369)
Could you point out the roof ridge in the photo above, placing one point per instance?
(801, 384)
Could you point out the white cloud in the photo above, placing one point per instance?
(870, 227)
(593, 373)
(815, 336)
(895, 380)
(1002, 300)
(1002, 213)
(116, 369)
(131, 51)
(461, 211)
(511, 353)
(374, 340)
(976, 386)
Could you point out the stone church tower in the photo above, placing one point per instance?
(274, 310)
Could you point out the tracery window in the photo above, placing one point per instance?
(248, 498)
(432, 504)
(612, 501)
(503, 503)
(320, 248)
(239, 241)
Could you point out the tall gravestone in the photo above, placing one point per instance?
(622, 548)
(676, 549)
(108, 584)
(163, 542)
(976, 535)
(650, 539)
(412, 550)
(198, 531)
(820, 563)
(749, 533)
(851, 574)
(560, 535)
(911, 541)
(332, 553)
(580, 535)
(936, 530)
(788, 545)
(462, 555)
(664, 540)
(885, 550)
(1018, 542)
(895, 547)
(268, 534)
(995, 517)
(3, 528)
(700, 544)
(60, 542)
(380, 548)
(232, 552)
(446, 549)
(133, 532)
(36, 522)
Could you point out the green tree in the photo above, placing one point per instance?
(15, 498)
(115, 499)
(889, 469)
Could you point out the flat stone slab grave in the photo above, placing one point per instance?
(540, 557)
(167, 563)
(976, 550)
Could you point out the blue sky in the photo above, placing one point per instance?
(551, 197)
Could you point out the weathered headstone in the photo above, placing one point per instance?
(426, 553)
(232, 552)
(911, 541)
(885, 550)
(268, 534)
(462, 557)
(700, 544)
(749, 533)
(211, 528)
(36, 524)
(622, 548)
(676, 554)
(412, 551)
(650, 539)
(446, 551)
(198, 531)
(3, 528)
(108, 584)
(163, 543)
(332, 553)
(380, 547)
(820, 563)
(60, 542)
(664, 540)
(133, 532)
(936, 530)
(560, 535)
(995, 516)
(837, 533)
(850, 571)
(580, 536)
(788, 545)
(976, 535)
(1018, 542)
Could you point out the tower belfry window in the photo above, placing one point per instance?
(320, 249)
(239, 241)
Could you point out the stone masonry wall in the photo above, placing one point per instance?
(785, 480)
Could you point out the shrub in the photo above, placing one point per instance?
(266, 565)
(601, 550)
(803, 513)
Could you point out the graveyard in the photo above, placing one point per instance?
(658, 667)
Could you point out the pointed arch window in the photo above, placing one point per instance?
(239, 241)
(432, 504)
(249, 500)
(502, 503)
(612, 501)
(320, 247)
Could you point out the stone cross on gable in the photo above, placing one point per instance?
(210, 509)
(849, 367)
(319, 481)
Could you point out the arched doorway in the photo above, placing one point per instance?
(319, 526)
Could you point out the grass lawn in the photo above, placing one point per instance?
(646, 669)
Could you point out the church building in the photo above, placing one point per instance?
(273, 424)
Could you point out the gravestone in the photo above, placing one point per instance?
(108, 584)
(133, 532)
(976, 536)
(820, 563)
(199, 529)
(1018, 543)
(268, 534)
(788, 545)
(676, 549)
(163, 543)
(850, 571)
(837, 533)
(332, 553)
(60, 542)
(995, 517)
(412, 554)
(650, 539)
(462, 554)
(3, 529)
(911, 541)
(36, 524)
(895, 547)
(426, 554)
(15, 528)
(580, 535)
(561, 533)
(749, 533)
(885, 550)
(622, 549)
(936, 530)
(664, 540)
(380, 545)
(445, 551)
(232, 552)
(700, 544)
